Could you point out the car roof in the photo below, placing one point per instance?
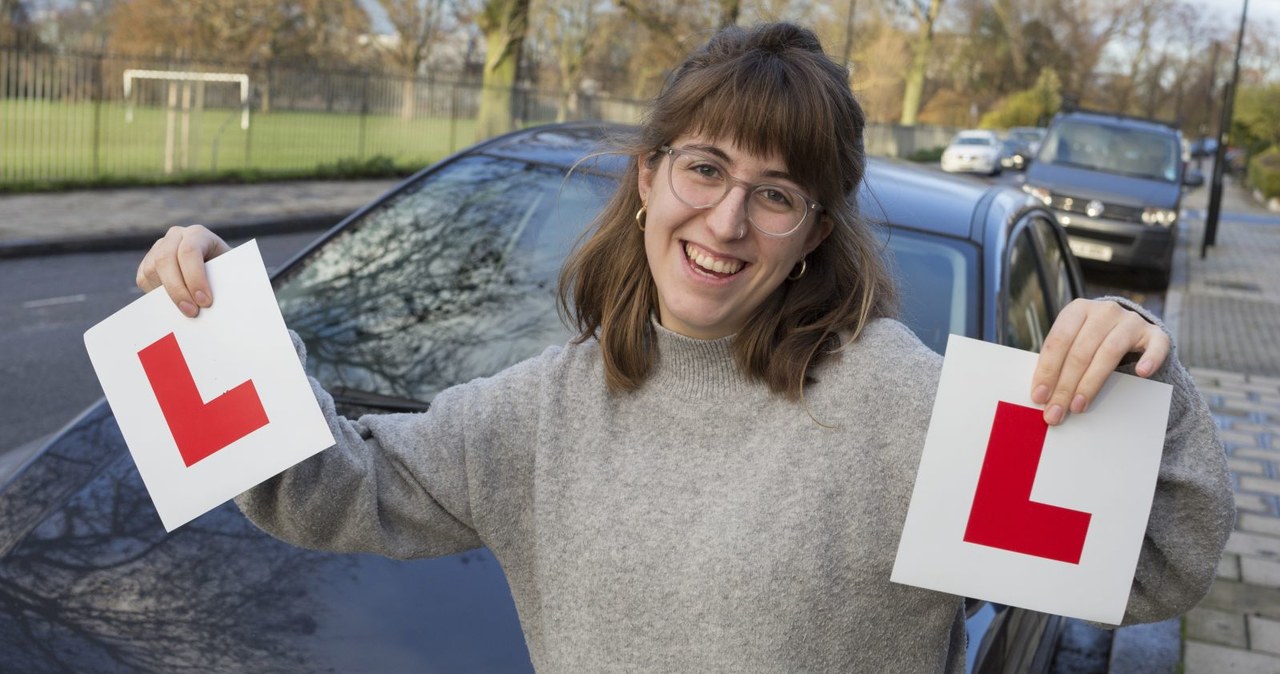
(890, 193)
(1112, 119)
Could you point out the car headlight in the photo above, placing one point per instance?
(1164, 217)
(1040, 193)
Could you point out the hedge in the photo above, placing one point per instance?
(1264, 173)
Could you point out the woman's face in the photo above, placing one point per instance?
(712, 268)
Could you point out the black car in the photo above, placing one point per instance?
(449, 276)
(1014, 154)
(1116, 184)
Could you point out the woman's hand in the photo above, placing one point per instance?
(1084, 346)
(177, 263)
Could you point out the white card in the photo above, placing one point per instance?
(213, 405)
(1053, 525)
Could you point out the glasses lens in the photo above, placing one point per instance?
(701, 182)
(775, 210)
(698, 181)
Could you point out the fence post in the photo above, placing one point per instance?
(98, 95)
(364, 114)
(453, 118)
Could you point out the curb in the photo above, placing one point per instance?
(142, 239)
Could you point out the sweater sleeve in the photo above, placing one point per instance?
(1193, 511)
(403, 485)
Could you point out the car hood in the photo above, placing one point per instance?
(1111, 188)
(90, 581)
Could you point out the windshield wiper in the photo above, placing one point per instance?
(349, 396)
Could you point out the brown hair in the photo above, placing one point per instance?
(771, 89)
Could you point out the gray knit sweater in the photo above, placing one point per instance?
(701, 524)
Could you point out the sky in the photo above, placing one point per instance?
(1229, 10)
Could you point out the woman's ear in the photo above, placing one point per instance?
(819, 233)
(645, 177)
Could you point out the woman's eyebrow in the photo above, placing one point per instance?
(720, 154)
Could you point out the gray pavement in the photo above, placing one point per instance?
(115, 219)
(1224, 310)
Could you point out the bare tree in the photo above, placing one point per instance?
(925, 16)
(1085, 28)
(322, 32)
(504, 24)
(15, 23)
(572, 27)
(418, 24)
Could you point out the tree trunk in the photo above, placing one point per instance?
(911, 97)
(407, 98)
(915, 79)
(504, 23)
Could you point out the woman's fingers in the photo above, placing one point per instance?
(176, 263)
(1085, 345)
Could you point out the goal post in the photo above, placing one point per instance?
(186, 79)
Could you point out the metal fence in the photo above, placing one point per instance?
(69, 117)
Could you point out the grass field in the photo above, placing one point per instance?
(51, 143)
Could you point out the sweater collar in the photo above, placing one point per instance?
(703, 367)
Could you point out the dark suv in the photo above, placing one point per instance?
(1116, 184)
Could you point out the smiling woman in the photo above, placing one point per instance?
(712, 475)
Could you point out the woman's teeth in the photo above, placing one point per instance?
(710, 263)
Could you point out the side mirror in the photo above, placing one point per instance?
(1193, 178)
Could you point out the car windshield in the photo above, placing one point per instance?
(973, 140)
(1113, 149)
(455, 278)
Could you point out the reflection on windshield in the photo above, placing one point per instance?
(1113, 149)
(455, 278)
(98, 585)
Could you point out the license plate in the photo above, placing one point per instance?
(1091, 251)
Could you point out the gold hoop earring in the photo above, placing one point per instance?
(804, 267)
(640, 217)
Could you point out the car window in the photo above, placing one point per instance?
(1027, 315)
(973, 140)
(1114, 149)
(1057, 272)
(452, 279)
(938, 284)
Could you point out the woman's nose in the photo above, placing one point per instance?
(728, 219)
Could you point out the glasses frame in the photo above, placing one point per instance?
(811, 206)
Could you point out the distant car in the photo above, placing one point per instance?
(1116, 184)
(1032, 136)
(1204, 146)
(973, 151)
(1014, 154)
(447, 277)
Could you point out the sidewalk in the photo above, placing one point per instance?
(1226, 309)
(94, 220)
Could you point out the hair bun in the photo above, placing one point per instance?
(775, 38)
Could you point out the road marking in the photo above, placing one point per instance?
(54, 301)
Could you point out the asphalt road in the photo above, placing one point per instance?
(46, 304)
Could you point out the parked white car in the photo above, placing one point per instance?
(974, 151)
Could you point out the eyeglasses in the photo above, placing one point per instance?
(701, 181)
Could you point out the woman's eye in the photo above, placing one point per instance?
(775, 196)
(706, 170)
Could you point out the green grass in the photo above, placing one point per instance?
(47, 145)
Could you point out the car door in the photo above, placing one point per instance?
(1042, 277)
